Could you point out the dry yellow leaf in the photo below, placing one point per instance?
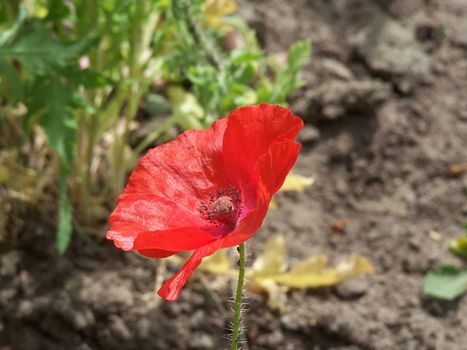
(295, 182)
(268, 272)
(277, 294)
(272, 260)
(270, 263)
(314, 272)
(218, 263)
(214, 10)
(310, 273)
(355, 265)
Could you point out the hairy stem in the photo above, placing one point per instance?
(238, 298)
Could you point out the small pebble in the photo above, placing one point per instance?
(309, 134)
(202, 341)
(353, 288)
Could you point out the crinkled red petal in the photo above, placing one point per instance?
(276, 163)
(273, 168)
(249, 134)
(171, 288)
(165, 190)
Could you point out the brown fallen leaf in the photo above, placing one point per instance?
(339, 226)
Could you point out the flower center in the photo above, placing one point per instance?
(223, 208)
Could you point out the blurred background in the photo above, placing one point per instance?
(362, 249)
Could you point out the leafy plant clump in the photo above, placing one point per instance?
(101, 81)
(449, 281)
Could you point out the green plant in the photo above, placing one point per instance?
(449, 281)
(83, 71)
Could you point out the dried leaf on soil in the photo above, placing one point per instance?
(273, 259)
(269, 274)
(314, 272)
(217, 263)
(296, 182)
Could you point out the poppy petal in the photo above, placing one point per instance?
(165, 191)
(185, 238)
(249, 134)
(156, 253)
(150, 212)
(171, 288)
(274, 165)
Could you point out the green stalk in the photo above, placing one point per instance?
(133, 93)
(87, 181)
(86, 143)
(140, 39)
(238, 298)
(123, 140)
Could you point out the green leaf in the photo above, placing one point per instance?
(88, 78)
(57, 9)
(10, 82)
(39, 51)
(298, 54)
(287, 78)
(446, 282)
(52, 108)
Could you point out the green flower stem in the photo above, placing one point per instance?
(238, 298)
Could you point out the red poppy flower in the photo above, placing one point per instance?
(206, 190)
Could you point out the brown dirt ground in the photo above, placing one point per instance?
(386, 111)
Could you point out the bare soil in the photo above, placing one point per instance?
(386, 116)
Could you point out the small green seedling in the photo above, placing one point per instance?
(449, 281)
